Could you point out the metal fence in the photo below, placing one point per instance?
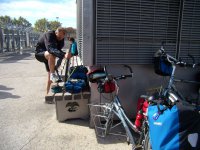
(12, 40)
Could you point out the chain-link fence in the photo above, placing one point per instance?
(12, 40)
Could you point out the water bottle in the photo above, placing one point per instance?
(139, 118)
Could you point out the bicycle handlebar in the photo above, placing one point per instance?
(173, 60)
(181, 63)
(110, 77)
(123, 77)
(130, 69)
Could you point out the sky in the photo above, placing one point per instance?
(62, 10)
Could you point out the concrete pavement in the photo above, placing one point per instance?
(27, 123)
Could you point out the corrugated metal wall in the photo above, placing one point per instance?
(190, 33)
(130, 31)
(80, 27)
(85, 26)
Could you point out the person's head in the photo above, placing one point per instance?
(60, 33)
(71, 39)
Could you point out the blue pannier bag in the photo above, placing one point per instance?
(175, 128)
(75, 86)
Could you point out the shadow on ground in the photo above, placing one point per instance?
(5, 88)
(4, 94)
(116, 135)
(78, 122)
(109, 139)
(14, 57)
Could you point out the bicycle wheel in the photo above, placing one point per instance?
(109, 118)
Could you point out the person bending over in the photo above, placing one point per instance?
(47, 49)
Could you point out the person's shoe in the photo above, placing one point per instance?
(54, 78)
(49, 99)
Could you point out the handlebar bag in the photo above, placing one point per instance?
(162, 66)
(175, 128)
(106, 87)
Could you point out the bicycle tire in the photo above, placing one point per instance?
(109, 114)
(108, 125)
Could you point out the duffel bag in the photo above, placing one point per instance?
(75, 86)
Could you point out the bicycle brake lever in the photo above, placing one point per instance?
(130, 69)
(193, 60)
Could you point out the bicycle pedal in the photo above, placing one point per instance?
(58, 81)
(138, 147)
(128, 140)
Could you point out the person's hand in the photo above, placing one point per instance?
(68, 55)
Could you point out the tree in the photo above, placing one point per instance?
(41, 25)
(53, 25)
(23, 22)
(7, 21)
(71, 32)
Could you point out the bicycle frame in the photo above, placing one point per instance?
(119, 111)
(171, 85)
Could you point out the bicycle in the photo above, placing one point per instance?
(171, 91)
(105, 112)
(168, 106)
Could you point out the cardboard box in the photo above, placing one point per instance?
(70, 106)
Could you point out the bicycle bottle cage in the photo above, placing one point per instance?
(161, 65)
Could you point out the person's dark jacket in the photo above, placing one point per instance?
(48, 42)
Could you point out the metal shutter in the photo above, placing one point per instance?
(190, 33)
(80, 27)
(130, 31)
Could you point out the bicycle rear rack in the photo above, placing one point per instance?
(102, 118)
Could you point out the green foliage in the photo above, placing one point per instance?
(53, 25)
(71, 32)
(23, 22)
(41, 25)
(7, 21)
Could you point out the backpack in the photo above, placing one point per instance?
(73, 49)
